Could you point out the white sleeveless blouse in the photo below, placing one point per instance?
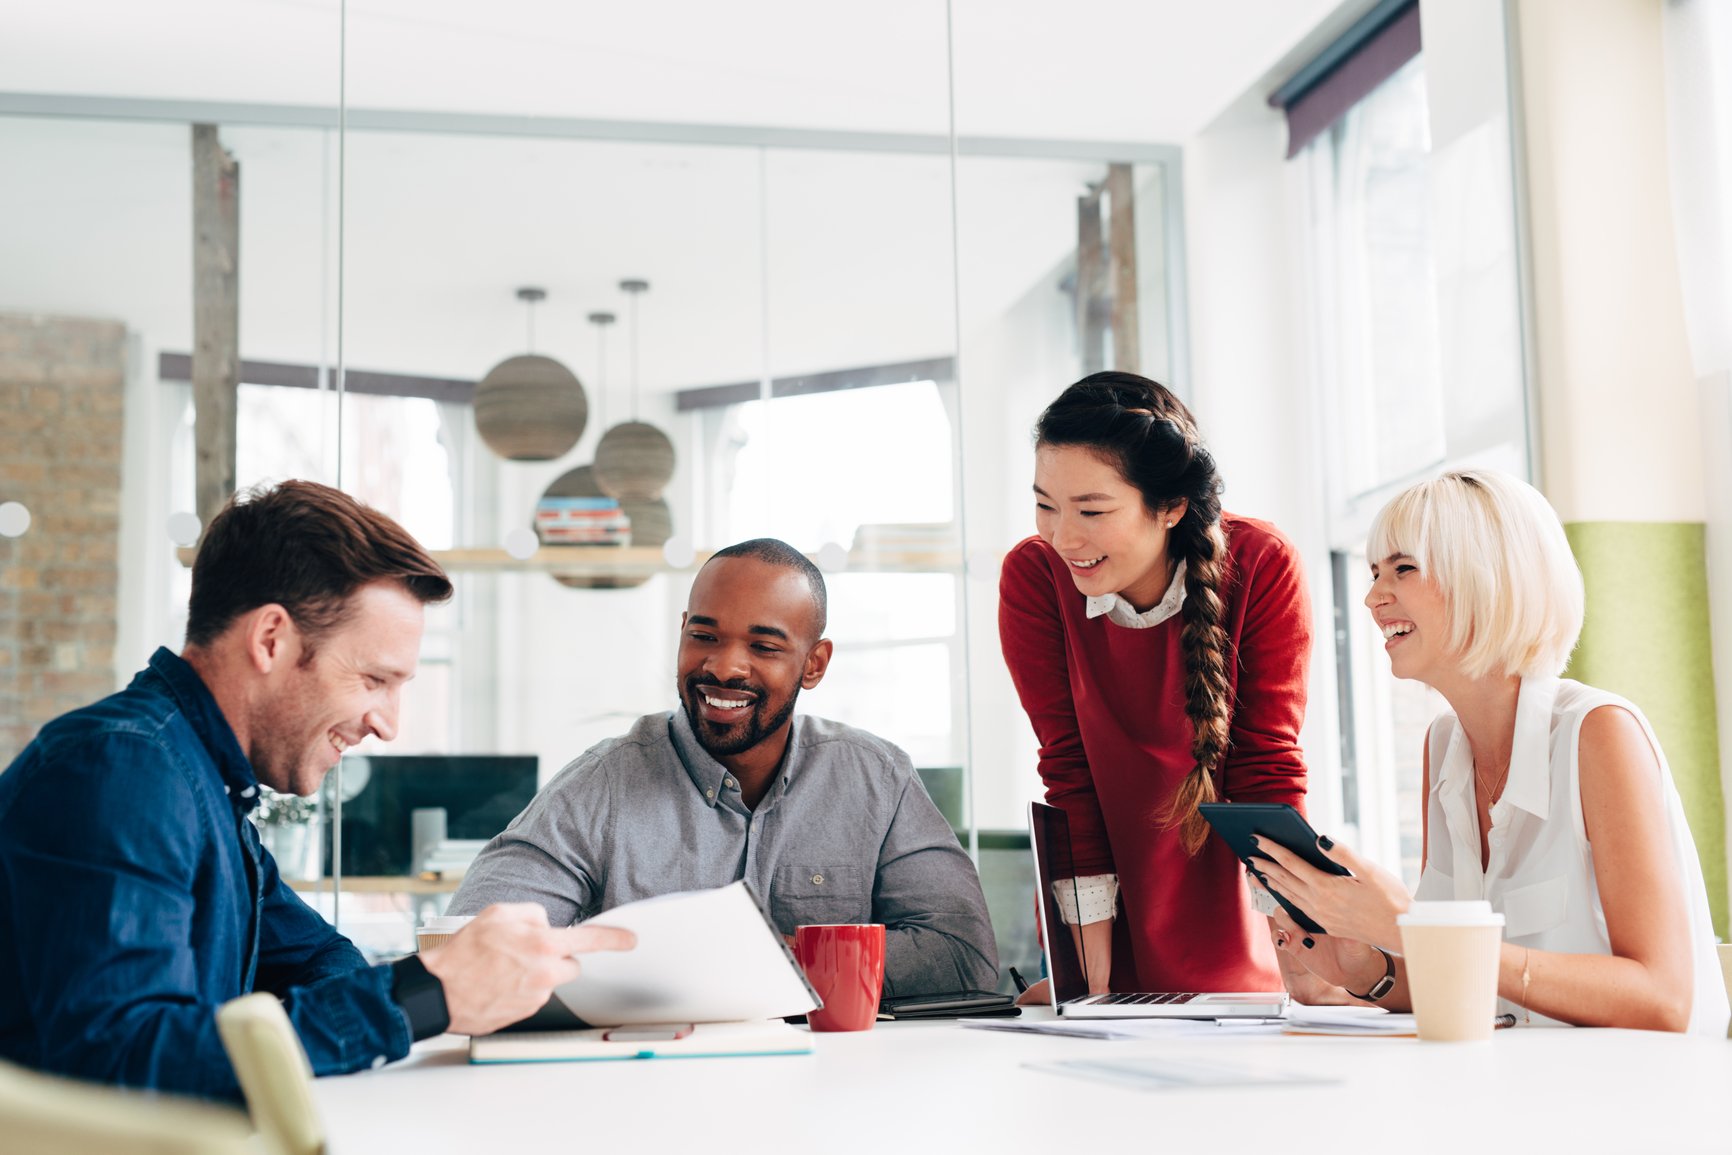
(1540, 871)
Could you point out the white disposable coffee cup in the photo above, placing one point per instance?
(1451, 953)
(439, 929)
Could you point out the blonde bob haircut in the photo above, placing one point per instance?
(1511, 589)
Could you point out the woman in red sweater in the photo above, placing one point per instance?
(1160, 649)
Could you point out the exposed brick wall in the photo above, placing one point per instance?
(62, 392)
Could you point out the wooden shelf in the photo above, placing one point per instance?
(569, 560)
(378, 884)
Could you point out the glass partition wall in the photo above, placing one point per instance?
(842, 318)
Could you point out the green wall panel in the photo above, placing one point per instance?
(1646, 638)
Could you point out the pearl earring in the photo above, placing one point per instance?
(1169, 525)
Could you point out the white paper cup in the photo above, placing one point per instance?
(434, 931)
(1451, 953)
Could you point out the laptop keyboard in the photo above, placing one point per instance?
(1143, 999)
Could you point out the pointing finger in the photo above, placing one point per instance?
(581, 939)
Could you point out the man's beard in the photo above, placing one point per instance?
(740, 736)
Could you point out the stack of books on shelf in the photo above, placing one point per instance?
(581, 521)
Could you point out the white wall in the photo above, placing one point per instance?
(1609, 324)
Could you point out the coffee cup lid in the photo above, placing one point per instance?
(1465, 912)
(446, 922)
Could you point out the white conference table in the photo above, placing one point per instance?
(936, 1086)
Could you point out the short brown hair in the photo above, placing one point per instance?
(306, 547)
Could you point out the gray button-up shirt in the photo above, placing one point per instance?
(846, 833)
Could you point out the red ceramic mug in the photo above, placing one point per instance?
(844, 962)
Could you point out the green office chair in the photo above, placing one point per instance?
(274, 1074)
(48, 1115)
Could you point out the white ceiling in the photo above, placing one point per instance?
(1129, 70)
(824, 259)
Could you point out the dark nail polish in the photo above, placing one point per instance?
(1254, 841)
(1309, 942)
(1325, 842)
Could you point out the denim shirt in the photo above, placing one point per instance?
(135, 899)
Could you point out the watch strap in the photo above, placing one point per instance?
(421, 997)
(1383, 985)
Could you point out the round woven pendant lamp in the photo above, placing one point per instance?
(634, 461)
(530, 407)
(652, 522)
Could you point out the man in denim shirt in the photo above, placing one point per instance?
(827, 822)
(134, 895)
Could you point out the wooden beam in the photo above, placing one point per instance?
(216, 363)
(1091, 279)
(1122, 265)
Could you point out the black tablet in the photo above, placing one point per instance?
(1236, 822)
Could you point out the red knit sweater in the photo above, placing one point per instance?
(1108, 706)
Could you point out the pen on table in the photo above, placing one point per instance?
(1503, 1021)
(1022, 984)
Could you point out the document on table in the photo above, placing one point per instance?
(702, 956)
(1178, 1074)
(1372, 1022)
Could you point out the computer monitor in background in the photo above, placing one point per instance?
(944, 786)
(480, 794)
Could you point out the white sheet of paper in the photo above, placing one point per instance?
(702, 956)
(1129, 1028)
(1348, 1020)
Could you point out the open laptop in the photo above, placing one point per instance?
(1050, 831)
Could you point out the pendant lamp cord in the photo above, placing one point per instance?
(634, 297)
(601, 376)
(601, 321)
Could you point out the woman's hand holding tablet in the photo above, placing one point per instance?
(1324, 888)
(1359, 903)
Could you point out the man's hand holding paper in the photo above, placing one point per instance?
(503, 966)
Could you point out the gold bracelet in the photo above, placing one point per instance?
(1527, 1015)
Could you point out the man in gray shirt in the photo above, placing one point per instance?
(829, 824)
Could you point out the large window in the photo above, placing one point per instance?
(1372, 260)
(1419, 368)
(873, 493)
(1371, 223)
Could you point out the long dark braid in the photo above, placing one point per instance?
(1152, 439)
(1207, 701)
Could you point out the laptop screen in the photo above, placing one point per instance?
(1049, 831)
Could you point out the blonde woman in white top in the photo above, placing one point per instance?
(1548, 798)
